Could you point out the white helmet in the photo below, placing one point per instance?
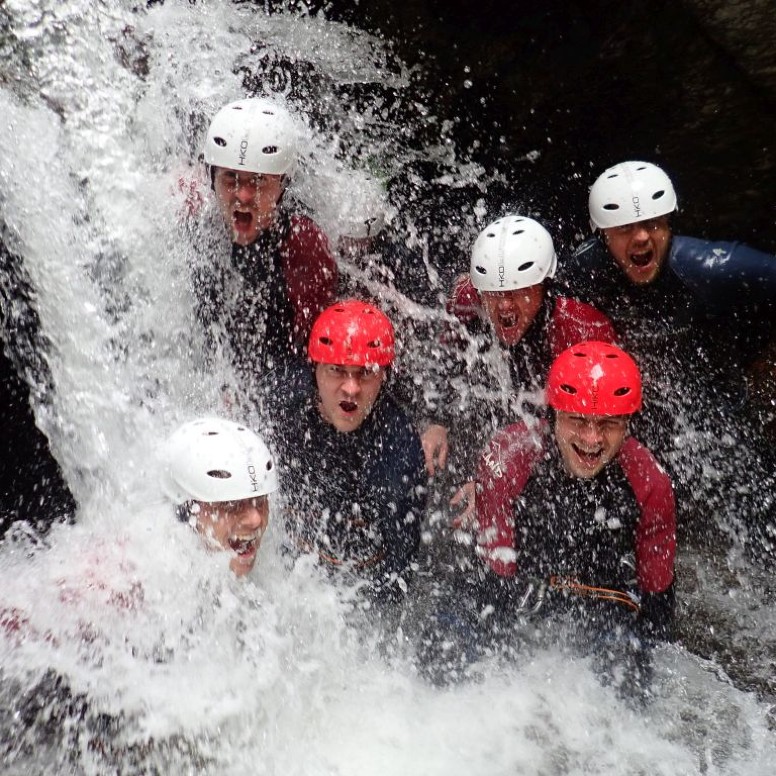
(214, 460)
(513, 252)
(630, 192)
(254, 135)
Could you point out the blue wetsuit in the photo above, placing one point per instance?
(356, 499)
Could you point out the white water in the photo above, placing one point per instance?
(274, 674)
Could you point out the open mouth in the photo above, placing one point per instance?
(348, 407)
(508, 320)
(587, 457)
(244, 547)
(642, 259)
(242, 220)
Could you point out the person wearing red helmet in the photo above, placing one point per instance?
(576, 517)
(351, 456)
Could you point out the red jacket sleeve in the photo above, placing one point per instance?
(502, 472)
(464, 302)
(573, 321)
(310, 272)
(656, 529)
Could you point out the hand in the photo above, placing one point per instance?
(465, 497)
(434, 441)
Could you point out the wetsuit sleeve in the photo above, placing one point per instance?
(724, 274)
(464, 302)
(405, 504)
(574, 321)
(656, 528)
(310, 272)
(502, 472)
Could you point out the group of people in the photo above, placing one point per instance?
(568, 460)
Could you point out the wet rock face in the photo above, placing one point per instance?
(745, 30)
(552, 93)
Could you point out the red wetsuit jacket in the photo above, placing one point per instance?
(536, 519)
(569, 321)
(265, 297)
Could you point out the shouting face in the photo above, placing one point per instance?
(512, 312)
(347, 393)
(640, 249)
(588, 442)
(248, 202)
(235, 526)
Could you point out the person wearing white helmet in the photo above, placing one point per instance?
(509, 310)
(281, 273)
(219, 474)
(631, 204)
(695, 313)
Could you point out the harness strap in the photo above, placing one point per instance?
(571, 585)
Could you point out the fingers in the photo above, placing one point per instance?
(465, 495)
(435, 447)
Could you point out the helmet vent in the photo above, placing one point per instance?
(219, 474)
(524, 267)
(374, 344)
(491, 234)
(519, 231)
(611, 206)
(613, 175)
(325, 341)
(269, 466)
(270, 150)
(219, 141)
(481, 270)
(569, 389)
(658, 194)
(624, 391)
(611, 355)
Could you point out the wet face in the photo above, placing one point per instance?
(347, 394)
(235, 526)
(248, 202)
(640, 249)
(512, 312)
(588, 442)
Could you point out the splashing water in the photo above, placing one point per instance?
(123, 641)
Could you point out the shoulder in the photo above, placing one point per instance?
(464, 302)
(394, 421)
(577, 271)
(515, 447)
(304, 232)
(642, 468)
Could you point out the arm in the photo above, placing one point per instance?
(502, 472)
(656, 529)
(724, 274)
(405, 505)
(310, 272)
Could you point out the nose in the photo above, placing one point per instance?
(245, 191)
(640, 233)
(253, 515)
(504, 304)
(351, 385)
(591, 434)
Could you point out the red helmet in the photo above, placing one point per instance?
(352, 333)
(594, 378)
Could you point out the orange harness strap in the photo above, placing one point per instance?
(308, 547)
(603, 593)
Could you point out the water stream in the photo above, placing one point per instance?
(125, 647)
